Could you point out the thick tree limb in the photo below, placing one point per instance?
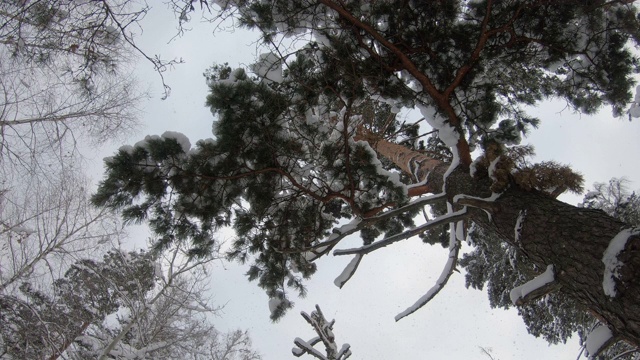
(536, 288)
(352, 228)
(487, 205)
(452, 217)
(450, 266)
(438, 97)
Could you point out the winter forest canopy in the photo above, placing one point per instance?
(309, 147)
(381, 120)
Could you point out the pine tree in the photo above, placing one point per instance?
(554, 317)
(309, 139)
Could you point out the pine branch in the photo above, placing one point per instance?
(452, 217)
(346, 230)
(351, 268)
(441, 99)
(487, 204)
(449, 268)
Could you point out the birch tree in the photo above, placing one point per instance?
(172, 321)
(47, 224)
(43, 322)
(299, 148)
(65, 76)
(124, 306)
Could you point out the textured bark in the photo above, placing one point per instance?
(572, 239)
(418, 165)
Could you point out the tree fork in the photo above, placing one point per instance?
(441, 99)
(572, 239)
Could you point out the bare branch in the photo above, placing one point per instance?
(450, 266)
(323, 328)
(340, 233)
(452, 217)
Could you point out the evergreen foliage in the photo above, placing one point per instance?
(281, 178)
(284, 167)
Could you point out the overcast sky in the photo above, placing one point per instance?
(458, 321)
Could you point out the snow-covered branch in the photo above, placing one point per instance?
(597, 340)
(452, 217)
(610, 259)
(338, 234)
(351, 268)
(450, 266)
(416, 204)
(348, 271)
(535, 288)
(356, 225)
(488, 204)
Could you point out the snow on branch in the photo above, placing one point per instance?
(610, 259)
(450, 266)
(323, 328)
(351, 268)
(338, 234)
(597, 340)
(451, 217)
(269, 68)
(348, 271)
(418, 203)
(356, 225)
(486, 204)
(533, 289)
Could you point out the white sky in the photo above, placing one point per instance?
(458, 321)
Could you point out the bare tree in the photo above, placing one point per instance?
(234, 345)
(44, 115)
(85, 38)
(170, 322)
(64, 78)
(65, 74)
(46, 223)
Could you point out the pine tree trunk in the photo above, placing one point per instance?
(571, 239)
(574, 240)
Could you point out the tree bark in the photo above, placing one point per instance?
(574, 240)
(571, 239)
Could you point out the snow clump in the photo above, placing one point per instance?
(181, 138)
(269, 67)
(610, 259)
